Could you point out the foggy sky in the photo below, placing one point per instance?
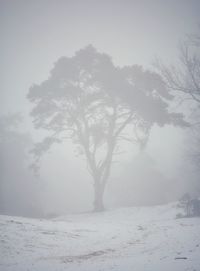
(34, 34)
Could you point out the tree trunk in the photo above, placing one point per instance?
(98, 197)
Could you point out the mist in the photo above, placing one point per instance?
(99, 135)
(35, 34)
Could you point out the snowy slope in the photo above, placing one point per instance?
(127, 239)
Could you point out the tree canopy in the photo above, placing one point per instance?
(97, 104)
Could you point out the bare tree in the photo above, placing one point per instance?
(89, 100)
(185, 80)
(186, 77)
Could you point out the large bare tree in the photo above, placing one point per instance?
(184, 80)
(97, 105)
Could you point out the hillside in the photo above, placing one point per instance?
(127, 239)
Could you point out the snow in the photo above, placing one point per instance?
(127, 239)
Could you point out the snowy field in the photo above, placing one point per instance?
(127, 239)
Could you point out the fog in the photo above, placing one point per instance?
(34, 36)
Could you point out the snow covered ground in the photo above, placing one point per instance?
(127, 239)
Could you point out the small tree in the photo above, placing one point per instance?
(89, 100)
(191, 206)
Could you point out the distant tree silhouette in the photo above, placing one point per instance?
(18, 189)
(185, 80)
(97, 105)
